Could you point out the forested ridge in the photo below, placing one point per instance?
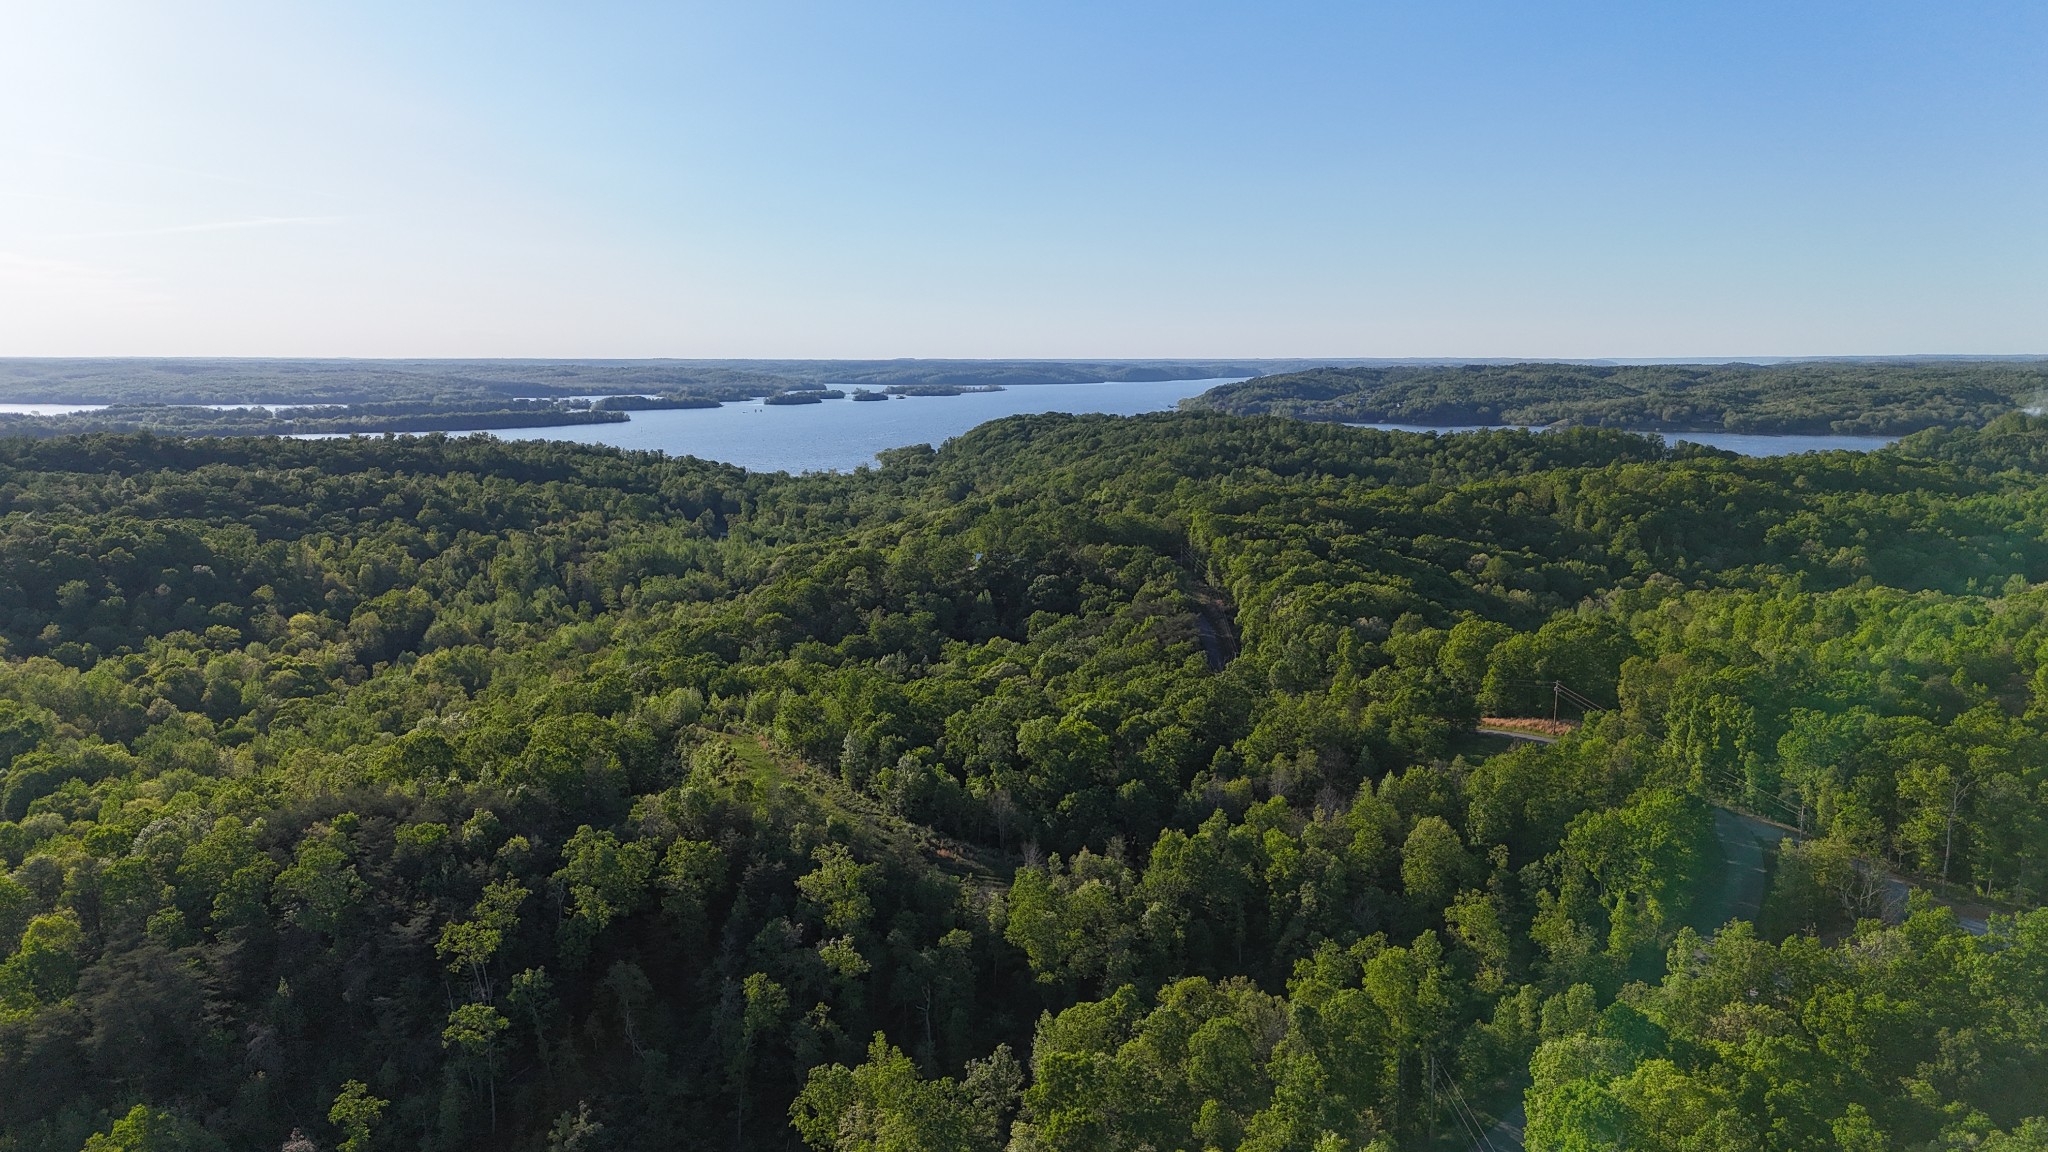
(258, 380)
(1821, 397)
(456, 794)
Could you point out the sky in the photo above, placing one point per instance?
(1023, 179)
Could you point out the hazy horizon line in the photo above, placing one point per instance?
(1390, 360)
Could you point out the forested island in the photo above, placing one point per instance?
(940, 389)
(804, 396)
(1089, 783)
(1874, 397)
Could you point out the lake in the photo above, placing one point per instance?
(841, 435)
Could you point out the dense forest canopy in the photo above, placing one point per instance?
(1086, 784)
(1879, 397)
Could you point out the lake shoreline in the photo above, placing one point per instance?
(840, 433)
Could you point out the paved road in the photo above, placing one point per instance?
(1745, 843)
(1743, 840)
(1506, 1133)
(1515, 734)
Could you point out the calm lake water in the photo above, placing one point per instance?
(841, 435)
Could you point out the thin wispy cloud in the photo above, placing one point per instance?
(206, 226)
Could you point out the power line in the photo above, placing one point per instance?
(1467, 1119)
(1586, 703)
(1458, 1094)
(1742, 787)
(1477, 1136)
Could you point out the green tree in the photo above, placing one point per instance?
(764, 1004)
(601, 879)
(468, 945)
(883, 1105)
(146, 1129)
(837, 890)
(473, 1032)
(321, 885)
(1433, 862)
(45, 966)
(355, 1112)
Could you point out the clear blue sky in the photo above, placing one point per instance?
(1023, 179)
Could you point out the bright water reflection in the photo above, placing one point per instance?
(47, 409)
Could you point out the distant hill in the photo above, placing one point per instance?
(1879, 397)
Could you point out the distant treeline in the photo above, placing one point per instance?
(238, 381)
(441, 414)
(421, 416)
(1814, 397)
